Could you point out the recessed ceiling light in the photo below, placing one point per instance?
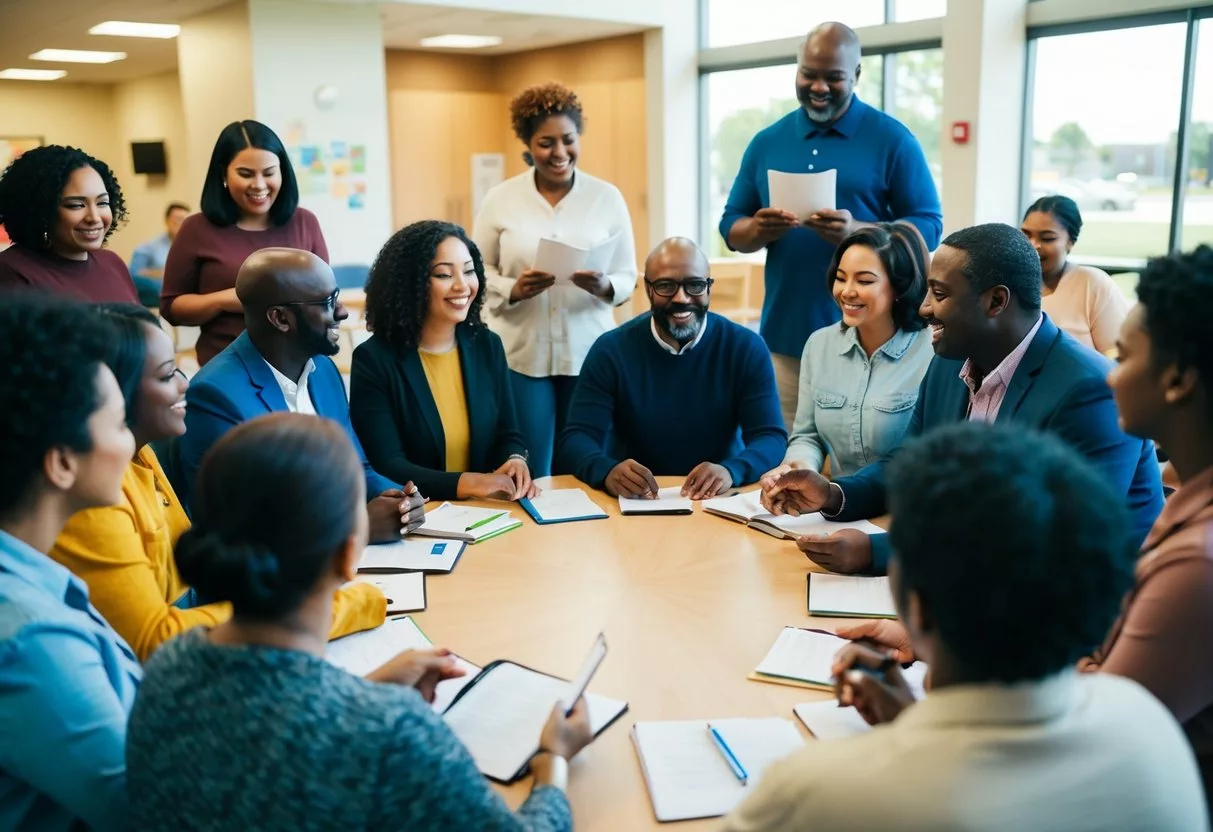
(129, 29)
(76, 56)
(461, 41)
(31, 74)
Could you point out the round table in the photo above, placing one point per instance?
(689, 606)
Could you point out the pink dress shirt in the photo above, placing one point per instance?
(986, 395)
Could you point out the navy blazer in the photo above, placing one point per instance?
(394, 412)
(1060, 386)
(236, 386)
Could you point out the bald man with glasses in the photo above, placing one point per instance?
(678, 391)
(292, 319)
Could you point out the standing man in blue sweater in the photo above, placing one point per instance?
(882, 177)
(677, 392)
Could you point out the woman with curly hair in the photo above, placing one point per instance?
(250, 201)
(59, 206)
(548, 326)
(430, 395)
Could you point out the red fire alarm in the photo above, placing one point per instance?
(960, 132)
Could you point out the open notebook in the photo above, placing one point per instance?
(467, 523)
(686, 772)
(801, 658)
(827, 721)
(412, 554)
(669, 500)
(849, 596)
(562, 505)
(747, 508)
(405, 591)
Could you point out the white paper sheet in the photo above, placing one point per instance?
(405, 591)
(802, 655)
(850, 595)
(561, 259)
(455, 522)
(363, 652)
(804, 194)
(500, 717)
(741, 507)
(668, 500)
(412, 555)
(686, 773)
(566, 504)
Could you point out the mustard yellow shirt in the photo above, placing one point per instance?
(445, 378)
(124, 553)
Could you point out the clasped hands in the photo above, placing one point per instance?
(833, 226)
(631, 479)
(395, 513)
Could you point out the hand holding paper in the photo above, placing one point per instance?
(803, 194)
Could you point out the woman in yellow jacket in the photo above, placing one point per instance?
(125, 552)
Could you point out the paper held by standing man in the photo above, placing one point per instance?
(804, 194)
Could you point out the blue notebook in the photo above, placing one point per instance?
(568, 505)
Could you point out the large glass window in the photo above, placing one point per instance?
(904, 10)
(1198, 201)
(743, 21)
(1103, 133)
(917, 99)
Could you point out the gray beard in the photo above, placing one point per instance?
(686, 333)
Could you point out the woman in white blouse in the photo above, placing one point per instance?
(548, 325)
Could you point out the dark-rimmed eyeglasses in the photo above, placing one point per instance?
(668, 287)
(329, 304)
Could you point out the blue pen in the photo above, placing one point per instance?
(729, 757)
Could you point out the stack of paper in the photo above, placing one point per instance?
(802, 658)
(668, 501)
(747, 508)
(467, 523)
(850, 596)
(363, 652)
(405, 591)
(804, 194)
(565, 505)
(561, 260)
(686, 772)
(500, 715)
(412, 555)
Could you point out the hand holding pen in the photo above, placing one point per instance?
(871, 680)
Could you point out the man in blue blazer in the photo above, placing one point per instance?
(998, 358)
(292, 319)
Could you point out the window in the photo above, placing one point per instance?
(904, 10)
(1103, 134)
(731, 22)
(1198, 200)
(917, 99)
(741, 102)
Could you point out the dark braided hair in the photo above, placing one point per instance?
(32, 185)
(398, 289)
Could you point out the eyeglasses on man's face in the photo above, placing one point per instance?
(329, 304)
(668, 287)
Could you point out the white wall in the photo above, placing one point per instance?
(299, 47)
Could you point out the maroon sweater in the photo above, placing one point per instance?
(205, 258)
(102, 278)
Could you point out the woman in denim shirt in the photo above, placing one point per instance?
(859, 379)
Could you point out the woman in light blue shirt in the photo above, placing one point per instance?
(859, 378)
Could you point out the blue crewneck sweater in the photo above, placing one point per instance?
(716, 402)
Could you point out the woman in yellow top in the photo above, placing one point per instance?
(430, 394)
(125, 552)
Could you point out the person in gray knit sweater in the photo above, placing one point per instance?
(246, 726)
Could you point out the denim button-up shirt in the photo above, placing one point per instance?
(67, 684)
(853, 408)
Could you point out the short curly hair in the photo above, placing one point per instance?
(533, 105)
(1176, 292)
(1036, 591)
(51, 352)
(32, 184)
(397, 291)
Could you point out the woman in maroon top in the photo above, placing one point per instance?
(59, 205)
(250, 201)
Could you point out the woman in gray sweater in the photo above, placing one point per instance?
(246, 726)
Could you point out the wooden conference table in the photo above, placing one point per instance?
(689, 606)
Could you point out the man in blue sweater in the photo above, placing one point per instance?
(676, 392)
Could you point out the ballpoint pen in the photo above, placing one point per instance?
(729, 757)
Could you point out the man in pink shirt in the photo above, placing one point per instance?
(998, 358)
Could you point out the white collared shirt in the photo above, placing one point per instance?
(703, 327)
(551, 333)
(298, 398)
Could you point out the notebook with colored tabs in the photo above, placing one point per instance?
(668, 501)
(467, 523)
(747, 508)
(413, 554)
(564, 505)
(702, 769)
(849, 596)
